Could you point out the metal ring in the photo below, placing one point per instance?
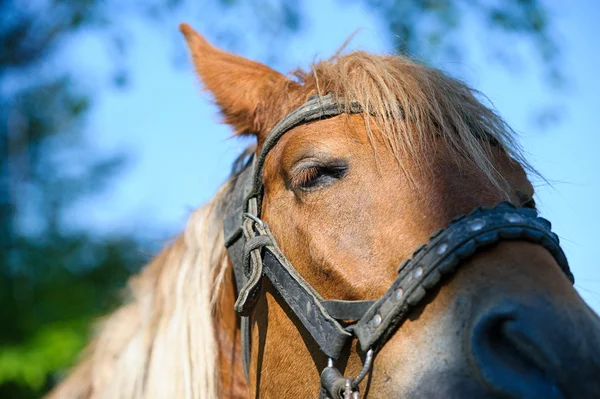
(363, 372)
(365, 369)
(255, 218)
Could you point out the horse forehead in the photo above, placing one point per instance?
(338, 136)
(346, 136)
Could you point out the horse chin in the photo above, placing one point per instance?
(430, 377)
(445, 384)
(431, 363)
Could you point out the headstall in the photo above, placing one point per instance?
(333, 324)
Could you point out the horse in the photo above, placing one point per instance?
(380, 240)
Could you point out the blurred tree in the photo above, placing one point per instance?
(431, 30)
(55, 278)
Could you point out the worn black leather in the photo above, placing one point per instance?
(254, 253)
(248, 185)
(446, 250)
(347, 310)
(234, 242)
(305, 302)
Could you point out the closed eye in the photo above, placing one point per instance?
(313, 176)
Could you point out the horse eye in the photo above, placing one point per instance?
(312, 177)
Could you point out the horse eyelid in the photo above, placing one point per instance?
(307, 177)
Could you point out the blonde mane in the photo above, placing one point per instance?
(162, 343)
(411, 105)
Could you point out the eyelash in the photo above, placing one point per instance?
(304, 177)
(312, 177)
(309, 178)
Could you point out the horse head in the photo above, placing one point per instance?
(349, 196)
(382, 241)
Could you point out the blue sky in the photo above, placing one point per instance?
(180, 154)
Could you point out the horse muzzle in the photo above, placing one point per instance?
(536, 351)
(489, 335)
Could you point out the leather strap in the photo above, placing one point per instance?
(232, 222)
(347, 310)
(446, 250)
(248, 184)
(254, 253)
(305, 302)
(234, 241)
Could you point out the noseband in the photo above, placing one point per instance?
(335, 323)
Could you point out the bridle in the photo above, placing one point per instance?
(254, 252)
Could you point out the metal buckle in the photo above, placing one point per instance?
(349, 384)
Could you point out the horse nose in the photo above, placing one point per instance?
(537, 352)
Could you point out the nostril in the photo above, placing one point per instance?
(507, 341)
(511, 358)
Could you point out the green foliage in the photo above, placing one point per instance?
(51, 348)
(54, 279)
(431, 30)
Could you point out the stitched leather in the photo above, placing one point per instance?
(305, 303)
(347, 310)
(254, 253)
(446, 250)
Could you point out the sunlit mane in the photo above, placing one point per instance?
(162, 343)
(412, 105)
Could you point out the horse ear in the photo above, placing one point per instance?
(242, 88)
